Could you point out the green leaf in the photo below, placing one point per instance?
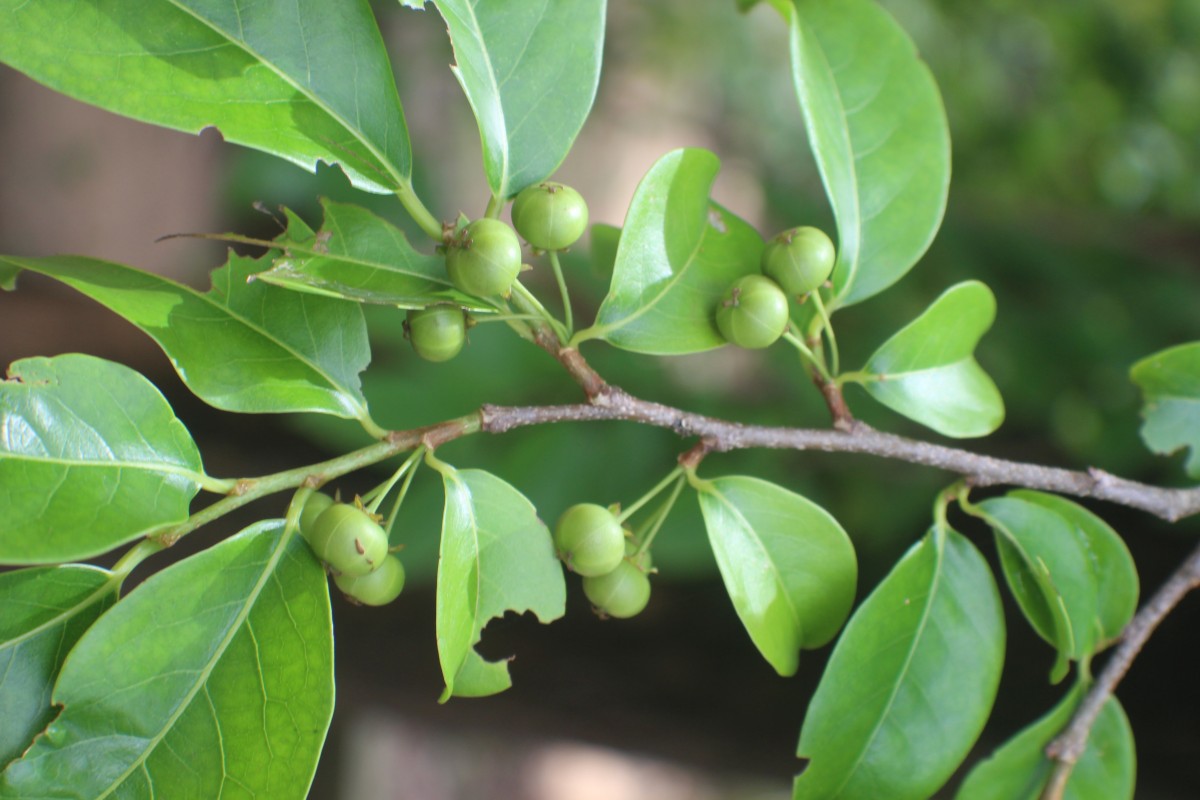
(878, 131)
(927, 370)
(530, 72)
(8, 277)
(604, 242)
(1170, 384)
(1019, 770)
(215, 674)
(788, 566)
(1069, 572)
(1111, 563)
(361, 257)
(496, 556)
(243, 346)
(678, 253)
(91, 456)
(46, 610)
(911, 681)
(307, 81)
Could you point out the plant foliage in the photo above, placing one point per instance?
(217, 671)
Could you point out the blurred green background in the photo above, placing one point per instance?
(1075, 196)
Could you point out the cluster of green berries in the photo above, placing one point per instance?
(483, 258)
(593, 544)
(354, 547)
(753, 311)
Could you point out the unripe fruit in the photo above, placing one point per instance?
(313, 507)
(622, 593)
(753, 312)
(799, 260)
(484, 258)
(348, 540)
(437, 333)
(376, 588)
(550, 216)
(589, 539)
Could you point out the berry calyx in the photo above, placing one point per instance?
(550, 216)
(753, 312)
(484, 258)
(799, 260)
(347, 539)
(377, 588)
(589, 539)
(437, 333)
(622, 593)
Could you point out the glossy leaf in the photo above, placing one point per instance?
(530, 72)
(1019, 770)
(788, 566)
(359, 256)
(878, 131)
(678, 253)
(46, 610)
(911, 681)
(1112, 566)
(307, 81)
(496, 556)
(927, 370)
(243, 346)
(1170, 384)
(1070, 574)
(215, 673)
(91, 456)
(604, 242)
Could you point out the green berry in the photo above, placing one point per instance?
(622, 593)
(753, 312)
(484, 258)
(590, 539)
(550, 216)
(376, 588)
(799, 260)
(437, 333)
(313, 507)
(348, 540)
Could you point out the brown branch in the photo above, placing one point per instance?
(616, 404)
(849, 435)
(1068, 748)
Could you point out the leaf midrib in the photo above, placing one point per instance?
(144, 466)
(852, 162)
(940, 549)
(357, 407)
(314, 98)
(477, 32)
(288, 247)
(202, 680)
(762, 549)
(65, 614)
(598, 331)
